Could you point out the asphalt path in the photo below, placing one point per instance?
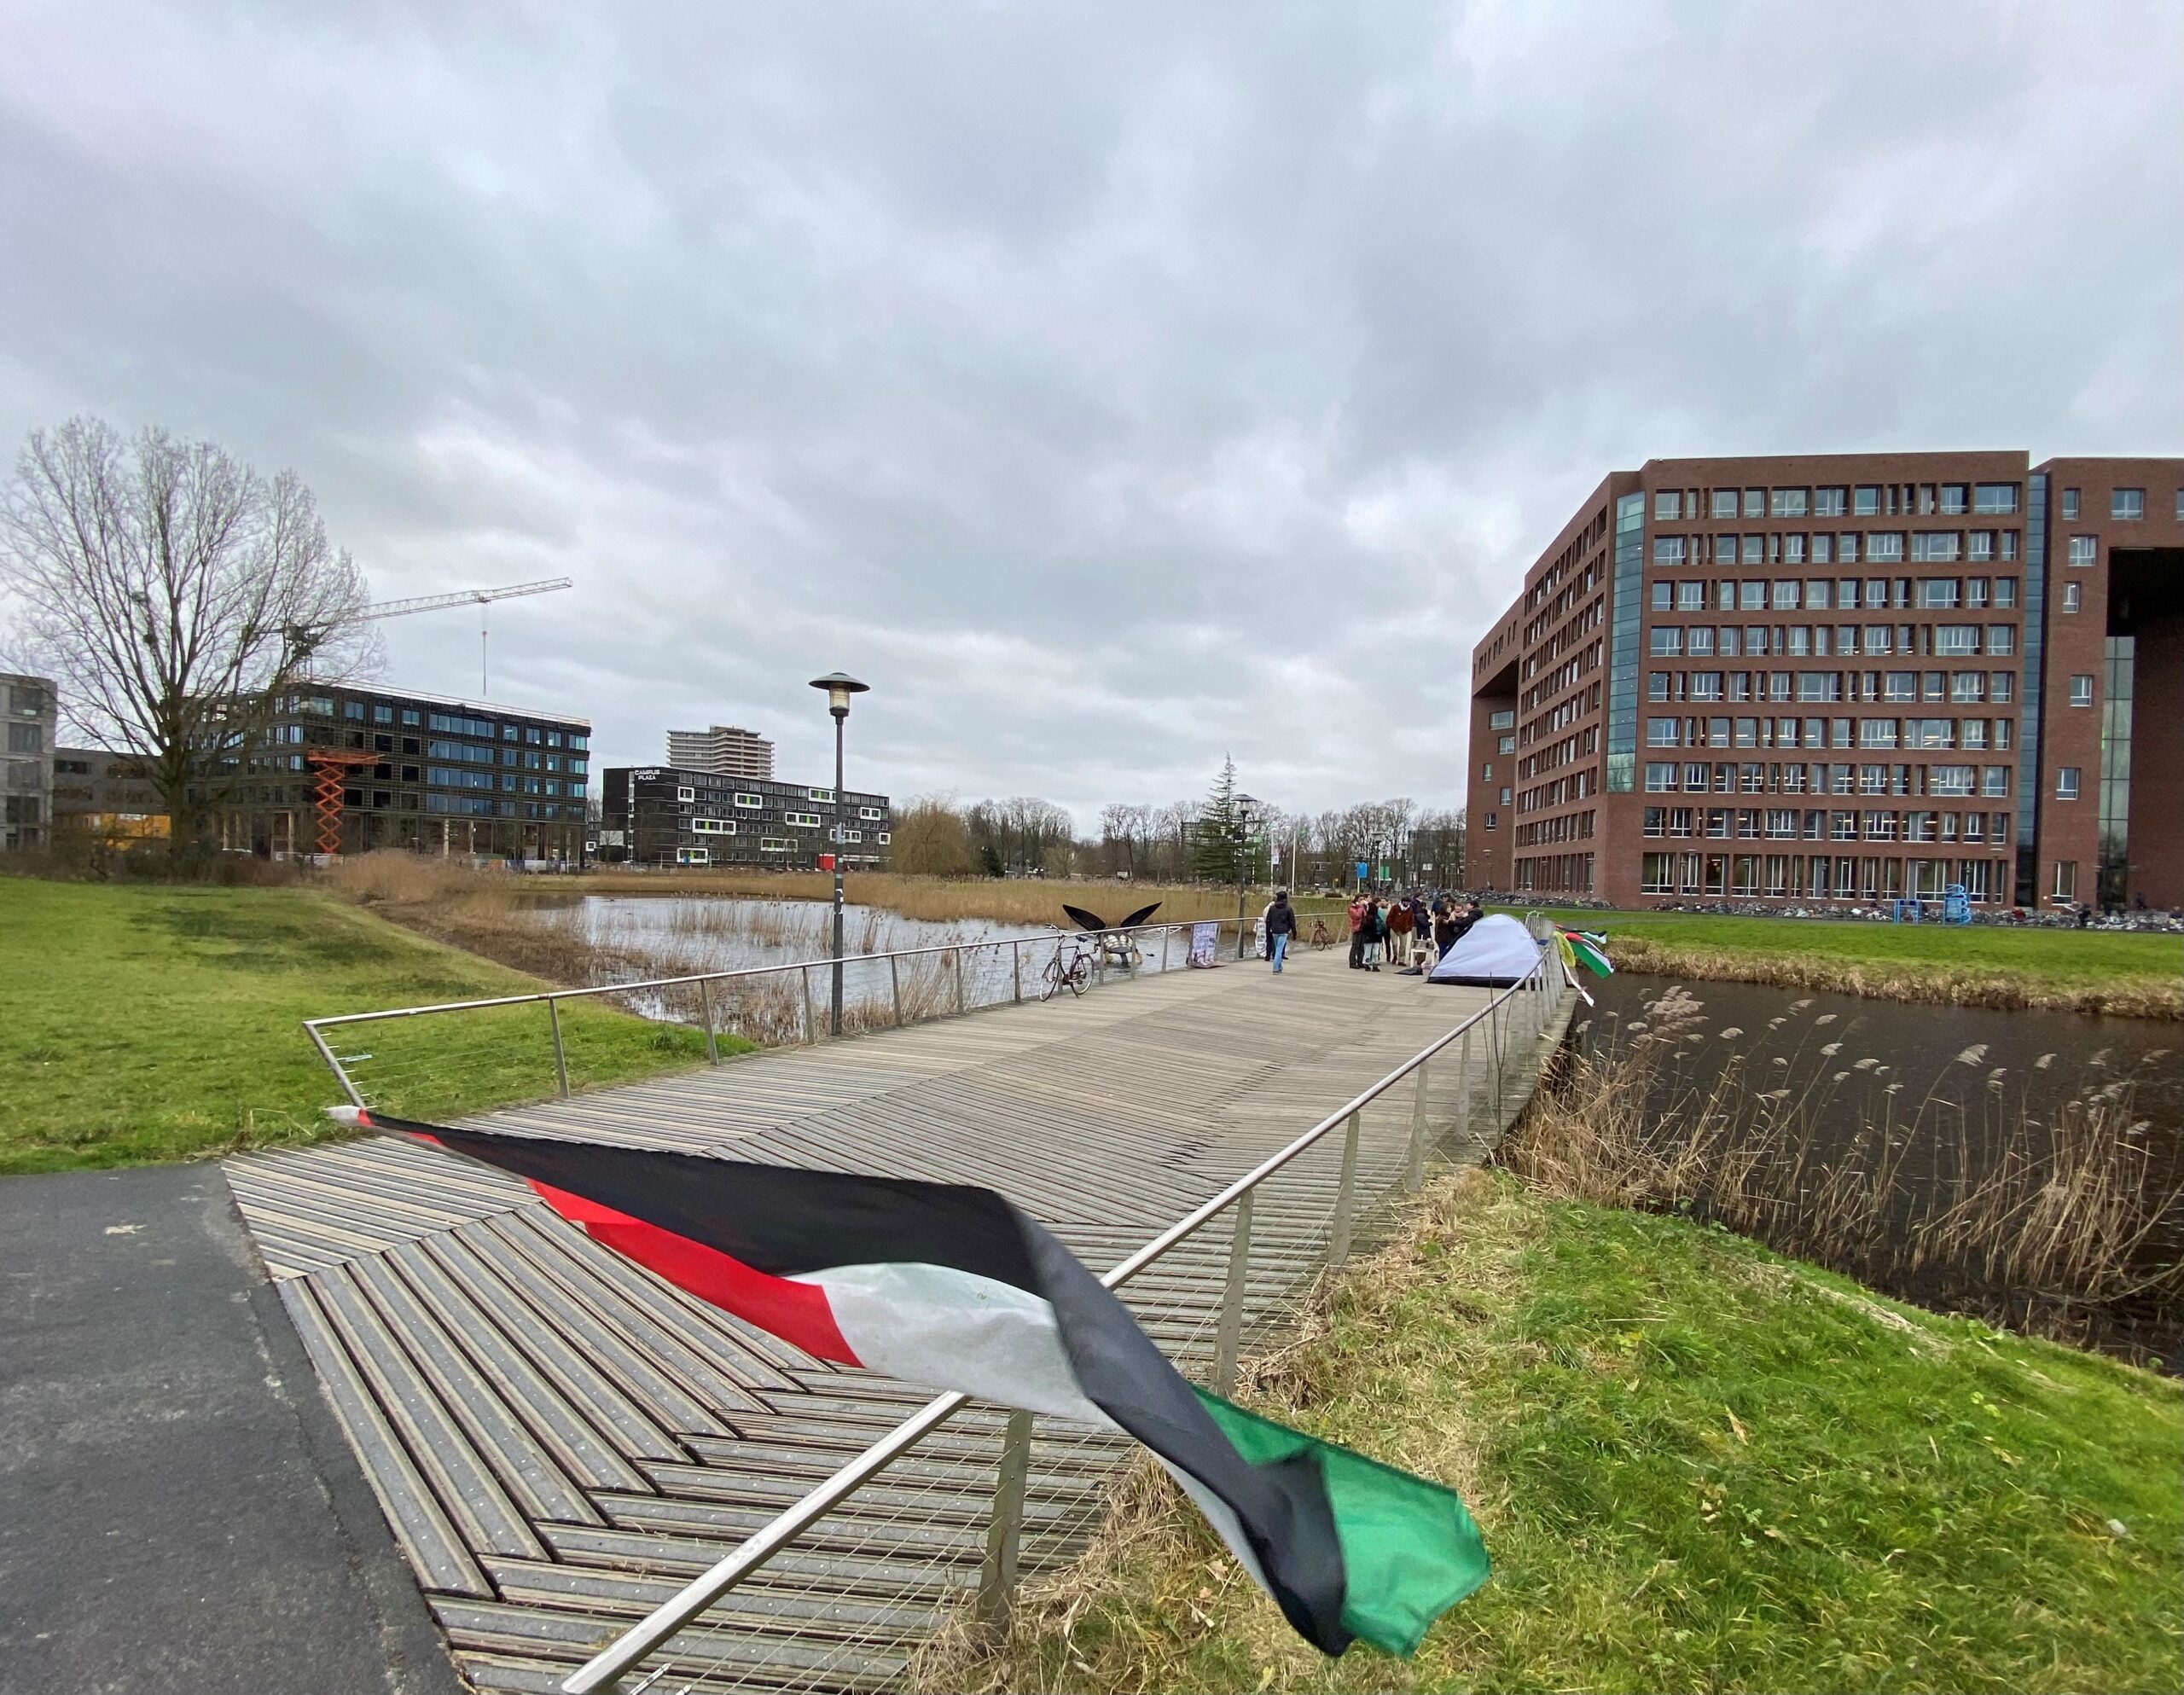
(178, 1510)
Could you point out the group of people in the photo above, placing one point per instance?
(1412, 932)
(1409, 932)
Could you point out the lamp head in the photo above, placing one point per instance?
(839, 686)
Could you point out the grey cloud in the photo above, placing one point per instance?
(1116, 386)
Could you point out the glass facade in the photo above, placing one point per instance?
(2121, 663)
(1623, 651)
(2028, 757)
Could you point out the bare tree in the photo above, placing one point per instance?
(931, 839)
(176, 592)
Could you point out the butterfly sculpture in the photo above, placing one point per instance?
(1093, 921)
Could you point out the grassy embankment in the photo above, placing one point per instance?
(1697, 1464)
(142, 1022)
(2085, 971)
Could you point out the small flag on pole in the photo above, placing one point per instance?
(951, 1285)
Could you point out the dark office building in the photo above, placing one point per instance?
(1837, 678)
(661, 815)
(416, 771)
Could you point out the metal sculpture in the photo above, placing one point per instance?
(1116, 945)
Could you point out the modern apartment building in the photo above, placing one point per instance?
(1816, 680)
(27, 721)
(380, 768)
(103, 797)
(723, 750)
(665, 816)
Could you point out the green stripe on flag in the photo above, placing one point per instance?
(1409, 1549)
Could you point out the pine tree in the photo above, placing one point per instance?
(1217, 838)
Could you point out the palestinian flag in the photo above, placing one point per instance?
(953, 1287)
(1589, 947)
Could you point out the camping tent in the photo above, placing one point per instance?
(1495, 952)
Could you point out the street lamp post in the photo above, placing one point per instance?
(1245, 803)
(838, 687)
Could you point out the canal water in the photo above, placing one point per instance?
(1981, 1088)
(676, 935)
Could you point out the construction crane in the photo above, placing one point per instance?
(463, 597)
(330, 766)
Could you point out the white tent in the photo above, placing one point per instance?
(1494, 952)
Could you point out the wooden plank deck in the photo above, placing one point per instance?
(558, 1438)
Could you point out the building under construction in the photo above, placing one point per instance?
(346, 770)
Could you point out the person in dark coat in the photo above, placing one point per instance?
(1281, 928)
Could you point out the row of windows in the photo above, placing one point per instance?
(687, 796)
(1885, 546)
(1867, 500)
(1671, 777)
(727, 827)
(1722, 824)
(2126, 506)
(456, 777)
(1976, 735)
(1941, 640)
(478, 806)
(1819, 877)
(1824, 593)
(1961, 688)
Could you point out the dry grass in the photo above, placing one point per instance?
(2063, 1226)
(1945, 985)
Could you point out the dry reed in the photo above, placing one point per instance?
(941, 899)
(2067, 1226)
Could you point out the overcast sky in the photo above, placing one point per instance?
(1110, 386)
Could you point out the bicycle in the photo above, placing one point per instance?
(1075, 970)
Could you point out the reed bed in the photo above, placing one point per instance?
(1930, 984)
(940, 899)
(2068, 1224)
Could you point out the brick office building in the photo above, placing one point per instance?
(1842, 677)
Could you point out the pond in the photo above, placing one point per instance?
(676, 935)
(1919, 1147)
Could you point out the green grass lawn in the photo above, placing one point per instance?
(142, 1022)
(1696, 1466)
(2051, 965)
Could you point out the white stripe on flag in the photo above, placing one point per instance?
(954, 1329)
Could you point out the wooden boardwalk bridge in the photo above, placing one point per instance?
(560, 1440)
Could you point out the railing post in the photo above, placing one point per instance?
(1414, 1173)
(1166, 931)
(1463, 1090)
(895, 986)
(706, 1006)
(560, 1056)
(997, 1576)
(959, 983)
(1496, 1025)
(1016, 970)
(1230, 1337)
(810, 1014)
(1345, 1195)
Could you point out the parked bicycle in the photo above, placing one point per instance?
(1072, 965)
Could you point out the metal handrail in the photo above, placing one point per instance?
(315, 1028)
(634, 1645)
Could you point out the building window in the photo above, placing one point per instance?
(2127, 504)
(1937, 592)
(1865, 502)
(2066, 782)
(1668, 550)
(1755, 502)
(1936, 544)
(750, 802)
(774, 844)
(1993, 497)
(1502, 721)
(883, 838)
(1787, 503)
(1885, 545)
(2002, 638)
(1507, 744)
(1492, 822)
(26, 738)
(2066, 879)
(818, 794)
(802, 820)
(685, 795)
(712, 827)
(1829, 502)
(2070, 506)
(2080, 691)
(1723, 503)
(869, 813)
(1667, 505)
(1953, 499)
(2084, 549)
(2070, 592)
